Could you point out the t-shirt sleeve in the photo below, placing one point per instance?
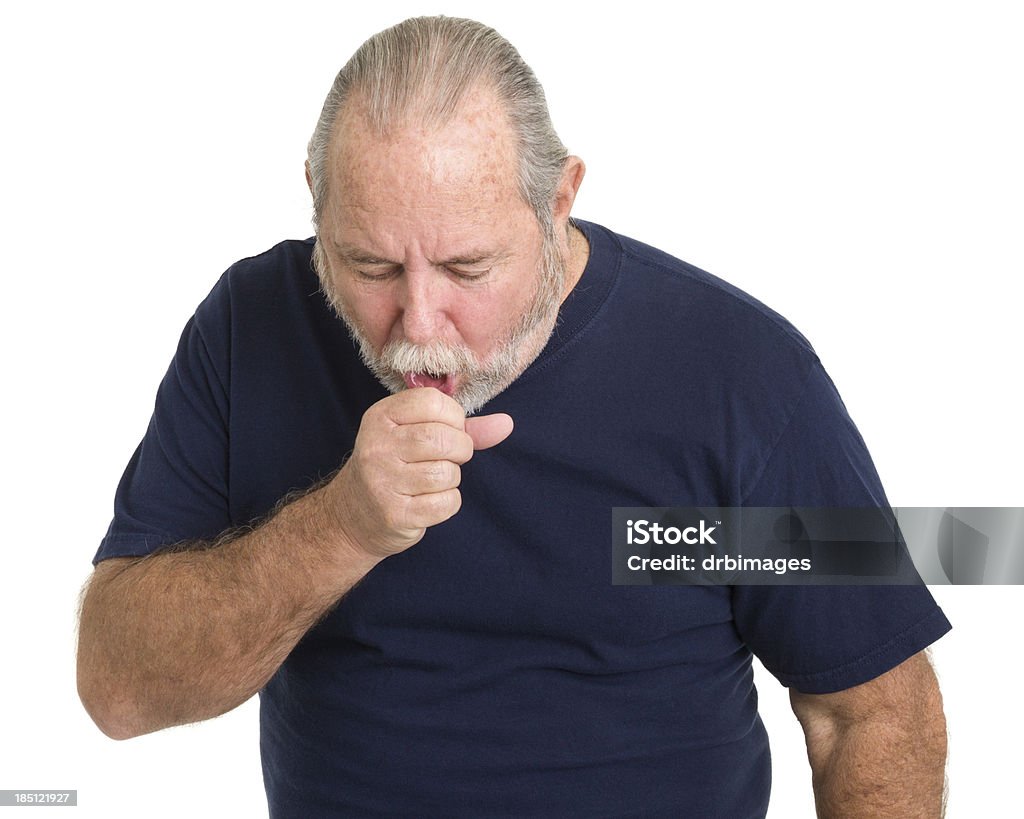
(821, 639)
(175, 487)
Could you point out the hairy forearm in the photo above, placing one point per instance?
(189, 634)
(885, 756)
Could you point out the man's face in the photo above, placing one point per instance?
(434, 261)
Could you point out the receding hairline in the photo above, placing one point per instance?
(481, 97)
(418, 115)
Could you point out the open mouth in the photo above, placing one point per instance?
(441, 381)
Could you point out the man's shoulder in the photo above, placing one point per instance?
(282, 275)
(281, 264)
(268, 301)
(704, 300)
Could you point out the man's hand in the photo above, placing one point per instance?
(878, 749)
(405, 469)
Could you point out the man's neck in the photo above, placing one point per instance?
(576, 263)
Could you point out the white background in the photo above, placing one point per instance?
(856, 167)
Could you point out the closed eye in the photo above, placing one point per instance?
(467, 274)
(377, 274)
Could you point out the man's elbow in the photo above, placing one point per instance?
(113, 715)
(899, 709)
(111, 725)
(100, 676)
(105, 692)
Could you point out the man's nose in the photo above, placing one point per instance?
(423, 307)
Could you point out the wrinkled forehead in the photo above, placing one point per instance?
(414, 159)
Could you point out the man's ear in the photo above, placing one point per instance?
(309, 177)
(565, 193)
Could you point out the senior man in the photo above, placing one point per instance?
(432, 627)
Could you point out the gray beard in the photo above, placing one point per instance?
(480, 381)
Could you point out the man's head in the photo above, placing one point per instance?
(441, 200)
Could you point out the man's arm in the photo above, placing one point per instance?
(878, 749)
(189, 634)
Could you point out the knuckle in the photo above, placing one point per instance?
(429, 509)
(443, 474)
(447, 503)
(434, 473)
(424, 435)
(437, 402)
(462, 448)
(395, 517)
(444, 441)
(455, 501)
(373, 413)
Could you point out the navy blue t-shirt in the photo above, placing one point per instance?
(493, 668)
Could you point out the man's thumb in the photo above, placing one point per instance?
(488, 430)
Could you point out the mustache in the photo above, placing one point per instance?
(437, 357)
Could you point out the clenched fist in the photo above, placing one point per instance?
(404, 472)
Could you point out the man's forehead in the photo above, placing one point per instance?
(475, 147)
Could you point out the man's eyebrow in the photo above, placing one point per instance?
(357, 255)
(475, 257)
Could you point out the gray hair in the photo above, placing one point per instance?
(426, 65)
